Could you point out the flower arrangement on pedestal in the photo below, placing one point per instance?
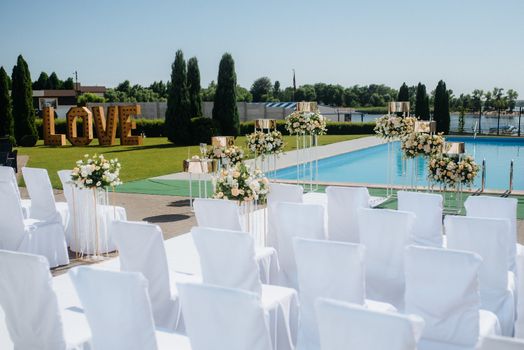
(261, 143)
(306, 123)
(422, 144)
(241, 184)
(390, 127)
(96, 172)
(451, 171)
(232, 154)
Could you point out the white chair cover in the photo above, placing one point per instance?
(349, 326)
(342, 208)
(29, 236)
(217, 213)
(326, 269)
(385, 234)
(223, 318)
(7, 174)
(497, 207)
(81, 213)
(31, 308)
(227, 259)
(279, 193)
(501, 343)
(301, 220)
(141, 248)
(489, 238)
(519, 324)
(43, 206)
(118, 310)
(442, 288)
(427, 207)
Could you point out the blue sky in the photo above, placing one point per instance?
(470, 44)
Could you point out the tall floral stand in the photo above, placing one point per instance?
(453, 198)
(266, 161)
(253, 220)
(90, 219)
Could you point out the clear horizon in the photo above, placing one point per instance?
(469, 44)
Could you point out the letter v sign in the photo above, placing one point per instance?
(105, 129)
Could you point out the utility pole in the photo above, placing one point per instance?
(294, 85)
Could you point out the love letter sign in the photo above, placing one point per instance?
(105, 126)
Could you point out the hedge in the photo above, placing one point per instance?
(203, 128)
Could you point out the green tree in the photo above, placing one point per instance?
(512, 96)
(243, 94)
(54, 83)
(68, 84)
(276, 90)
(477, 99)
(441, 108)
(225, 110)
(461, 121)
(6, 114)
(403, 93)
(87, 97)
(23, 110)
(208, 94)
(306, 93)
(178, 118)
(193, 84)
(422, 102)
(42, 82)
(261, 89)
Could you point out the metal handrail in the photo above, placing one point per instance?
(508, 191)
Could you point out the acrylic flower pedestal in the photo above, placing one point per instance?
(90, 219)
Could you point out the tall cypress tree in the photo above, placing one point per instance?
(441, 108)
(403, 93)
(23, 110)
(178, 119)
(193, 84)
(225, 106)
(6, 114)
(422, 103)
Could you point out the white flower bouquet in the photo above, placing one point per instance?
(451, 171)
(391, 127)
(423, 144)
(240, 184)
(96, 172)
(306, 123)
(261, 143)
(233, 154)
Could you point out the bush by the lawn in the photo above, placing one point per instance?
(203, 128)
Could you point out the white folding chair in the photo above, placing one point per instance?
(228, 259)
(280, 193)
(342, 208)
(385, 233)
(118, 311)
(500, 208)
(349, 326)
(501, 343)
(29, 235)
(489, 238)
(141, 248)
(81, 206)
(223, 318)
(32, 314)
(217, 213)
(427, 207)
(301, 220)
(7, 174)
(328, 269)
(43, 205)
(442, 288)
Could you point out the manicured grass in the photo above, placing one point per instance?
(156, 157)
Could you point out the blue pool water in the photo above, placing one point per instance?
(370, 165)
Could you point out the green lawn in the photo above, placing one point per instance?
(156, 157)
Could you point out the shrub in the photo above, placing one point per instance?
(202, 129)
(28, 140)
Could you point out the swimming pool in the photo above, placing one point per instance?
(370, 165)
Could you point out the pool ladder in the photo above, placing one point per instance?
(508, 191)
(483, 182)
